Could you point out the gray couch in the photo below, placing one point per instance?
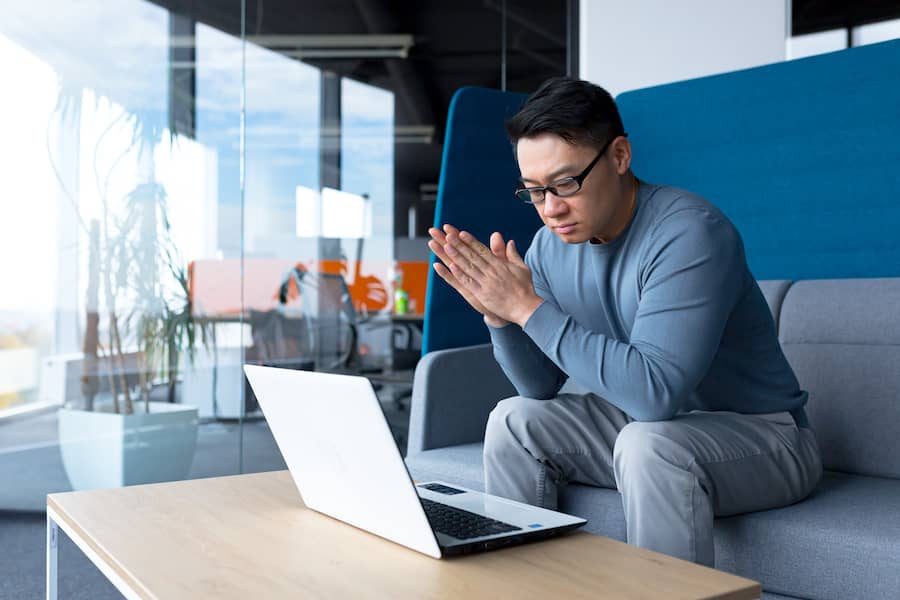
(842, 338)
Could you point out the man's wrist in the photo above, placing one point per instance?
(495, 322)
(528, 308)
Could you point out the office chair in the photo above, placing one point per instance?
(337, 335)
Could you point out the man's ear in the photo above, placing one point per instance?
(621, 151)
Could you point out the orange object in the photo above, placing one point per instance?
(215, 285)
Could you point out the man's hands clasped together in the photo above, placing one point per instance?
(495, 281)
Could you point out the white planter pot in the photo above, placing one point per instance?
(223, 400)
(102, 449)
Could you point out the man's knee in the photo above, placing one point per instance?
(510, 418)
(643, 446)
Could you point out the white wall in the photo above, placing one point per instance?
(630, 45)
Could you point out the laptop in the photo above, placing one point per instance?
(344, 461)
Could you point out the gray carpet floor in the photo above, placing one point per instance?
(31, 467)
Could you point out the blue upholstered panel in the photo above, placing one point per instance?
(804, 157)
(475, 192)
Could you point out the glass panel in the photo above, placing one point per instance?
(281, 185)
(170, 214)
(367, 250)
(213, 381)
(120, 152)
(355, 226)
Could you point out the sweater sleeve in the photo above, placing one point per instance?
(691, 276)
(527, 367)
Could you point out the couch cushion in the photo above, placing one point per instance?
(846, 353)
(601, 507)
(461, 465)
(841, 542)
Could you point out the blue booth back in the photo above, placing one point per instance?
(475, 193)
(803, 156)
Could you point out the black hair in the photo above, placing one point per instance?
(577, 111)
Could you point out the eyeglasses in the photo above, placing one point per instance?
(562, 188)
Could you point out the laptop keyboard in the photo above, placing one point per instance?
(462, 524)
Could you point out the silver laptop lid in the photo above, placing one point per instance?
(341, 454)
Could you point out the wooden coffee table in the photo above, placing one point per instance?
(250, 536)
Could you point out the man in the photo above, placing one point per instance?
(641, 294)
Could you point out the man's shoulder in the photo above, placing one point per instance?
(668, 200)
(670, 204)
(688, 216)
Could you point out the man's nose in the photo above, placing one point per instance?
(553, 204)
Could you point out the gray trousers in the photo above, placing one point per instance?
(675, 476)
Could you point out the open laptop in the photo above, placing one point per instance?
(341, 454)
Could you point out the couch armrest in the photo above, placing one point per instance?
(454, 391)
(774, 291)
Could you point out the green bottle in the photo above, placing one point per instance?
(401, 301)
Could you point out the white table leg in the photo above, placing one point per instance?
(52, 543)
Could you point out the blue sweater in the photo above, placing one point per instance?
(666, 318)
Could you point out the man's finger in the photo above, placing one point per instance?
(472, 242)
(512, 253)
(445, 274)
(451, 235)
(438, 243)
(465, 277)
(471, 250)
(456, 282)
(466, 259)
(437, 235)
(498, 246)
(439, 251)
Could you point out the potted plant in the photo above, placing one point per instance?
(134, 342)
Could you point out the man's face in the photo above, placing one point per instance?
(596, 210)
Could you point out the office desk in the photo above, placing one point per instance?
(249, 536)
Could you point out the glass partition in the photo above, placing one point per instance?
(190, 187)
(122, 138)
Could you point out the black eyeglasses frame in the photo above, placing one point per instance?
(525, 194)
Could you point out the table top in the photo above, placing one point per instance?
(250, 536)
